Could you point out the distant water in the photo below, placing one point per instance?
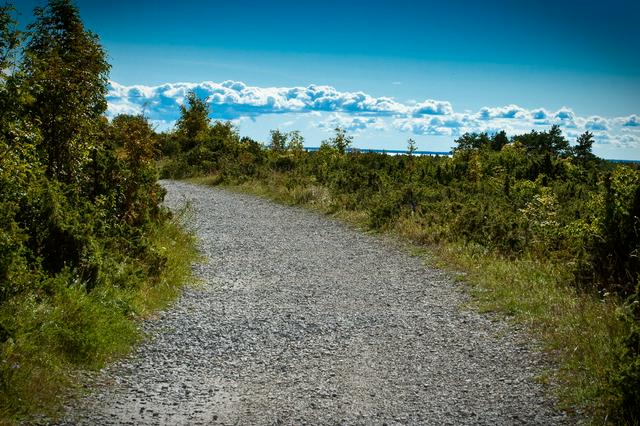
(440, 153)
(622, 161)
(387, 151)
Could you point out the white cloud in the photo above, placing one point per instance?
(359, 111)
(565, 117)
(432, 107)
(509, 111)
(596, 124)
(625, 140)
(351, 123)
(232, 99)
(435, 126)
(630, 121)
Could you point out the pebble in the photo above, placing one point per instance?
(299, 319)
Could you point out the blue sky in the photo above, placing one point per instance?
(381, 68)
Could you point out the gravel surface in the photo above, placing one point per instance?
(300, 319)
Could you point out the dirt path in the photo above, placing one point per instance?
(302, 320)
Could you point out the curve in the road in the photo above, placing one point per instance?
(300, 319)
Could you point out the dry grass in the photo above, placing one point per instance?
(577, 331)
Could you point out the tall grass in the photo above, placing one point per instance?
(578, 332)
(545, 232)
(64, 327)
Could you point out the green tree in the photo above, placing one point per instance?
(66, 73)
(194, 120)
(11, 101)
(140, 144)
(278, 141)
(411, 146)
(295, 141)
(137, 138)
(472, 141)
(558, 143)
(8, 42)
(551, 143)
(10, 39)
(19, 164)
(499, 140)
(582, 151)
(341, 141)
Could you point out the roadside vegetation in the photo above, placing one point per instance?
(86, 249)
(544, 231)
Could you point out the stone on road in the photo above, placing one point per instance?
(299, 319)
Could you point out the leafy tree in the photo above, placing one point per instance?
(194, 120)
(139, 143)
(10, 39)
(341, 141)
(558, 143)
(138, 139)
(582, 151)
(66, 73)
(19, 164)
(11, 102)
(472, 141)
(551, 143)
(499, 140)
(411, 146)
(278, 141)
(296, 141)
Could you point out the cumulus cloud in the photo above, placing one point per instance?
(432, 107)
(539, 114)
(350, 123)
(509, 111)
(565, 117)
(421, 128)
(596, 124)
(630, 121)
(232, 99)
(624, 140)
(452, 125)
(359, 111)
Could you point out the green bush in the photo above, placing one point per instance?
(626, 373)
(83, 235)
(530, 200)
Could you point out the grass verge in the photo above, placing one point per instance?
(579, 333)
(64, 328)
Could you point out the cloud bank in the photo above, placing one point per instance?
(359, 111)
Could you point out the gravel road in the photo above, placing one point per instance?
(301, 320)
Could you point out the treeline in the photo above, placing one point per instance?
(533, 196)
(529, 195)
(82, 232)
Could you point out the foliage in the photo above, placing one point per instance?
(626, 370)
(340, 142)
(411, 146)
(532, 199)
(278, 141)
(194, 120)
(85, 246)
(65, 73)
(10, 39)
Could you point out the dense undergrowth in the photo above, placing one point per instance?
(546, 232)
(85, 247)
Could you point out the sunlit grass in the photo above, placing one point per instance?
(67, 328)
(578, 332)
